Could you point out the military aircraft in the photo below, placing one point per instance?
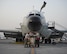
(34, 21)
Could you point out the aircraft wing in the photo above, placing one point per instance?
(12, 33)
(64, 31)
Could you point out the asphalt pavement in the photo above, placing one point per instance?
(8, 47)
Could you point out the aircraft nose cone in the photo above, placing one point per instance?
(34, 24)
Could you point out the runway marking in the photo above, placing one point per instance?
(32, 51)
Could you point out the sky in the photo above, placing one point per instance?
(12, 12)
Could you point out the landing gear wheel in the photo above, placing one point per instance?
(49, 41)
(45, 41)
(17, 39)
(20, 40)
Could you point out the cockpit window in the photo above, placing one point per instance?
(38, 14)
(31, 14)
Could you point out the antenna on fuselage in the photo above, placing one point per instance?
(33, 7)
(44, 4)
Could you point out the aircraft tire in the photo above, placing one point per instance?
(45, 41)
(17, 40)
(20, 40)
(49, 41)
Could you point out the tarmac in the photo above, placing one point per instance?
(7, 46)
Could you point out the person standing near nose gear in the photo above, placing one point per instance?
(26, 40)
(37, 40)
